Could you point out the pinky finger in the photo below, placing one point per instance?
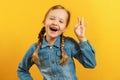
(86, 24)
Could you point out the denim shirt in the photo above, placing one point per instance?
(49, 65)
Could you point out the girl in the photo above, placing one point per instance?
(53, 53)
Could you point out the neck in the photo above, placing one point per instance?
(50, 41)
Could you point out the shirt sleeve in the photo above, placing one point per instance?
(84, 53)
(24, 66)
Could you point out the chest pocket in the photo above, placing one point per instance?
(44, 59)
(58, 55)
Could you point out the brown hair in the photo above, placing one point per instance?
(58, 7)
(64, 57)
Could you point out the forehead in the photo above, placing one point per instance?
(59, 13)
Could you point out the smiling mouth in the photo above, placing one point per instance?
(53, 29)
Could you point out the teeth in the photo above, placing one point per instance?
(53, 28)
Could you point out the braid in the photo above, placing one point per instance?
(35, 57)
(64, 58)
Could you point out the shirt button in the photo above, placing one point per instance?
(55, 75)
(50, 47)
(53, 62)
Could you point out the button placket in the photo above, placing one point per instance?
(52, 61)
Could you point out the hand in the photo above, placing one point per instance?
(80, 29)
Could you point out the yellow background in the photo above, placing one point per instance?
(21, 20)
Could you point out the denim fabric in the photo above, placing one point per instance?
(50, 55)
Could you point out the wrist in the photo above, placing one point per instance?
(82, 39)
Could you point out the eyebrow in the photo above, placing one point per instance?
(55, 17)
(52, 16)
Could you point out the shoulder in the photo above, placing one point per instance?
(33, 46)
(70, 41)
(30, 50)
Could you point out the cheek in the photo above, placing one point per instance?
(46, 24)
(46, 21)
(46, 28)
(63, 28)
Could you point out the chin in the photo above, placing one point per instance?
(53, 36)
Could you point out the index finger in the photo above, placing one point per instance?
(79, 22)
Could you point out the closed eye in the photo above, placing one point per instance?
(61, 21)
(52, 18)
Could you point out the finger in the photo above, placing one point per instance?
(76, 26)
(86, 24)
(82, 21)
(79, 22)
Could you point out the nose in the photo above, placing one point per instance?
(55, 23)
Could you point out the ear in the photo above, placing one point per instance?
(43, 22)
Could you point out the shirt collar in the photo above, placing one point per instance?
(56, 44)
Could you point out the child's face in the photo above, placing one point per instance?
(55, 22)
